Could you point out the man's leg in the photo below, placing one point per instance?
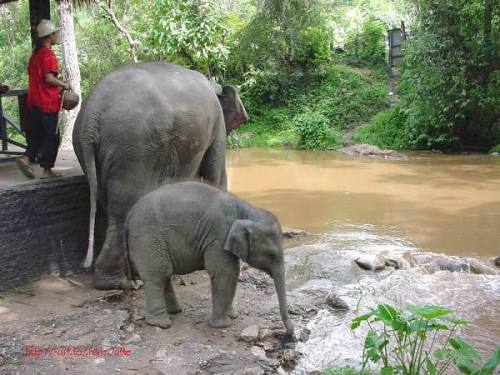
(50, 143)
(34, 141)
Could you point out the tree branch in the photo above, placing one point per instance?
(110, 15)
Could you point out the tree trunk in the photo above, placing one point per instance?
(71, 72)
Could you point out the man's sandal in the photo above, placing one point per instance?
(25, 168)
(52, 175)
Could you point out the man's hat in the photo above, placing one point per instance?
(45, 27)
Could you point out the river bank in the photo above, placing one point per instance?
(327, 287)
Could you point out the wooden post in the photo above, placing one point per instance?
(39, 10)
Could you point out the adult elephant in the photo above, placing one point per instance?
(142, 126)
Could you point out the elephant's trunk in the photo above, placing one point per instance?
(279, 283)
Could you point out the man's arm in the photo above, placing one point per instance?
(51, 80)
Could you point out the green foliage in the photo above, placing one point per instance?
(405, 341)
(495, 148)
(101, 48)
(367, 47)
(279, 49)
(190, 33)
(450, 83)
(387, 130)
(314, 131)
(341, 98)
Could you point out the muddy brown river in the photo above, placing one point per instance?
(423, 203)
(441, 203)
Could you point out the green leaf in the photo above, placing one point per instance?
(443, 353)
(387, 314)
(491, 364)
(464, 349)
(431, 368)
(373, 344)
(429, 311)
(387, 371)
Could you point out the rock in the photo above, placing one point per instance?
(336, 302)
(267, 346)
(371, 262)
(136, 284)
(130, 328)
(265, 333)
(497, 261)
(481, 269)
(282, 371)
(315, 372)
(250, 334)
(289, 358)
(250, 371)
(259, 353)
(134, 339)
(398, 261)
(368, 150)
(304, 334)
(293, 233)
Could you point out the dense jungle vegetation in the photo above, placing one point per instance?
(313, 74)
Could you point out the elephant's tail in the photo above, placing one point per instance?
(90, 166)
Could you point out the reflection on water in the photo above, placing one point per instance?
(442, 203)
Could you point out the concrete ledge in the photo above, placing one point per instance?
(43, 229)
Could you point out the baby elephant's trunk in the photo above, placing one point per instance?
(279, 282)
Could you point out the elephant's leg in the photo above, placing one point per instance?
(156, 307)
(173, 306)
(213, 165)
(109, 268)
(223, 273)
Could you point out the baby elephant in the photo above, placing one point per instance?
(185, 227)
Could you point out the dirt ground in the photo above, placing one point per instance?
(44, 326)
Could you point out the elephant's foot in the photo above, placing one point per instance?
(103, 281)
(174, 309)
(233, 312)
(162, 320)
(220, 322)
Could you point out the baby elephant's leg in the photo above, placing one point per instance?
(223, 277)
(173, 306)
(156, 307)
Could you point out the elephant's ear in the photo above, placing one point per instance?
(238, 240)
(233, 109)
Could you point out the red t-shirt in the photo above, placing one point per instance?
(40, 94)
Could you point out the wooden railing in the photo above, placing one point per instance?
(6, 122)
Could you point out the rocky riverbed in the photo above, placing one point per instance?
(330, 281)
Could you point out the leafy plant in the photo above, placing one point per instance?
(450, 81)
(314, 132)
(367, 47)
(387, 130)
(189, 32)
(404, 342)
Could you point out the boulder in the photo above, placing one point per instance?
(293, 233)
(250, 334)
(371, 262)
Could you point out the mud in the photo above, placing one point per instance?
(68, 313)
(326, 289)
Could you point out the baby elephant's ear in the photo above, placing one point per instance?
(238, 240)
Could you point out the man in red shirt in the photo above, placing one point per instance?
(44, 104)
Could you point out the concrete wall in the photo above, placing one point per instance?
(43, 229)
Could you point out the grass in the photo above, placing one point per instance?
(341, 99)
